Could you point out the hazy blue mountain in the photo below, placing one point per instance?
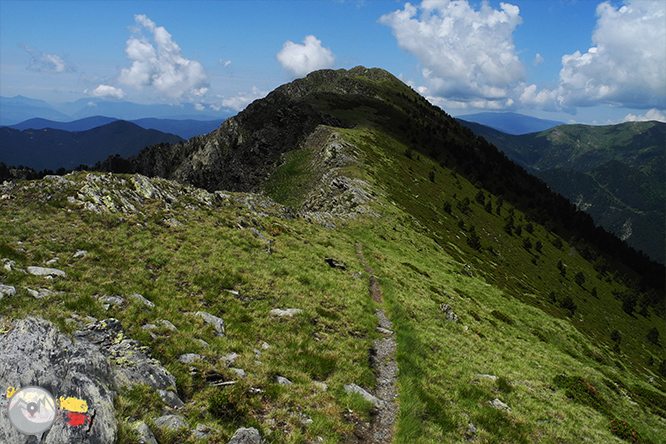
(53, 148)
(511, 123)
(76, 125)
(124, 110)
(17, 109)
(183, 128)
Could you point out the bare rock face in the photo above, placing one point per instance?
(34, 352)
(82, 374)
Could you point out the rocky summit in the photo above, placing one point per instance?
(341, 262)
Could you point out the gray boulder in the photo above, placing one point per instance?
(448, 311)
(170, 422)
(189, 358)
(248, 435)
(43, 271)
(143, 300)
(7, 290)
(353, 388)
(34, 352)
(285, 312)
(132, 362)
(145, 434)
(217, 323)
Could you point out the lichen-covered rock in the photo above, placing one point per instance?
(131, 361)
(34, 352)
(145, 434)
(170, 422)
(248, 435)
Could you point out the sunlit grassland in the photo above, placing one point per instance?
(211, 264)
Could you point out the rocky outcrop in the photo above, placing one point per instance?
(240, 154)
(89, 369)
(34, 352)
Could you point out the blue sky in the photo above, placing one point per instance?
(570, 60)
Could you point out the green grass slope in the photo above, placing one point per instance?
(556, 340)
(615, 173)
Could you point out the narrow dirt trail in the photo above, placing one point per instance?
(386, 368)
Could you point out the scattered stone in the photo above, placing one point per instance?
(213, 320)
(170, 422)
(80, 254)
(145, 434)
(189, 358)
(491, 377)
(43, 271)
(39, 294)
(247, 436)
(499, 405)
(111, 300)
(140, 298)
(471, 429)
(7, 290)
(448, 311)
(257, 352)
(171, 399)
(283, 381)
(9, 265)
(384, 331)
(303, 418)
(201, 342)
(335, 264)
(52, 261)
(239, 372)
(264, 345)
(229, 359)
(466, 327)
(202, 431)
(258, 234)
(166, 324)
(353, 388)
(285, 312)
(149, 327)
(322, 386)
(173, 222)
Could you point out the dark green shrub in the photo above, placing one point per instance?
(626, 431)
(502, 317)
(653, 336)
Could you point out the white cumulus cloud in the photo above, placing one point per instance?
(627, 64)
(467, 55)
(107, 91)
(240, 100)
(44, 62)
(625, 67)
(653, 114)
(157, 61)
(301, 60)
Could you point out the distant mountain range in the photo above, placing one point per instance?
(18, 109)
(511, 123)
(615, 173)
(51, 149)
(183, 128)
